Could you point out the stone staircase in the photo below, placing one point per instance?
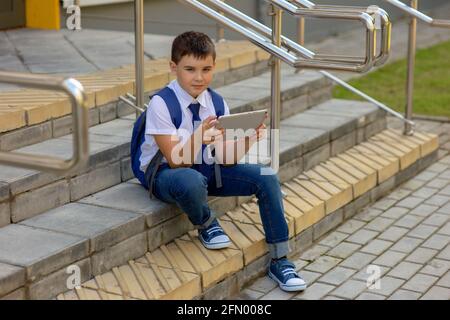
(335, 157)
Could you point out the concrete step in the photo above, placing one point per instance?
(29, 116)
(109, 228)
(318, 200)
(109, 162)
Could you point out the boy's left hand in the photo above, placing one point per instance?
(261, 130)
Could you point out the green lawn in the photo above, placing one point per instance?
(432, 83)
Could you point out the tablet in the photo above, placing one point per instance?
(243, 120)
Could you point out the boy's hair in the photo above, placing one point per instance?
(192, 43)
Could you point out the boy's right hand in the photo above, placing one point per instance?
(209, 131)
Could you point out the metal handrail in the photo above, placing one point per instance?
(407, 120)
(380, 17)
(412, 39)
(412, 11)
(280, 52)
(77, 96)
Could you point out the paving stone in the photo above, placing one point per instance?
(405, 295)
(379, 224)
(438, 200)
(445, 230)
(393, 233)
(406, 244)
(425, 192)
(332, 298)
(376, 247)
(423, 210)
(436, 219)
(408, 221)
(333, 239)
(314, 253)
(421, 255)
(337, 276)
(444, 281)
(437, 183)
(399, 194)
(387, 286)
(263, 285)
(445, 191)
(362, 236)
(410, 202)
(405, 270)
(40, 251)
(323, 264)
(278, 294)
(103, 226)
(248, 294)
(437, 293)
(343, 250)
(389, 258)
(350, 289)
(384, 203)
(394, 212)
(437, 167)
(420, 283)
(436, 267)
(315, 292)
(358, 260)
(413, 184)
(422, 231)
(368, 214)
(445, 254)
(370, 296)
(309, 276)
(437, 242)
(351, 226)
(445, 209)
(426, 175)
(365, 273)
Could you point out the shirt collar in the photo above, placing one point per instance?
(186, 99)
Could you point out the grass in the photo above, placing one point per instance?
(431, 87)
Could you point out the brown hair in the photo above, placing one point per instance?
(192, 43)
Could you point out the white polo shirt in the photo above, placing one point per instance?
(158, 120)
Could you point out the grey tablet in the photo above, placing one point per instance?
(243, 120)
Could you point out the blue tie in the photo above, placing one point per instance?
(204, 168)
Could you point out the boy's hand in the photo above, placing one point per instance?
(261, 131)
(209, 130)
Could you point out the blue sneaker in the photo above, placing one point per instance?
(213, 237)
(283, 272)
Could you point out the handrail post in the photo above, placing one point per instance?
(409, 130)
(277, 20)
(220, 31)
(139, 52)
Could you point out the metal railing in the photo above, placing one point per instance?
(386, 29)
(415, 14)
(77, 96)
(280, 47)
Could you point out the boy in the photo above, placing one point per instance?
(186, 180)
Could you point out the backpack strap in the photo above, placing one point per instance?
(219, 106)
(173, 105)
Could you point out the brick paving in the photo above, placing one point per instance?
(403, 240)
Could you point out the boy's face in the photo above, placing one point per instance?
(194, 75)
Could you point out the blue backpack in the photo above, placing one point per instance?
(138, 137)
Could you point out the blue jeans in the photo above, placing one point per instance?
(189, 189)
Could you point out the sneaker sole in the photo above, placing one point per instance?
(221, 245)
(285, 287)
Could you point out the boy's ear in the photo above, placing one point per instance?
(173, 66)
